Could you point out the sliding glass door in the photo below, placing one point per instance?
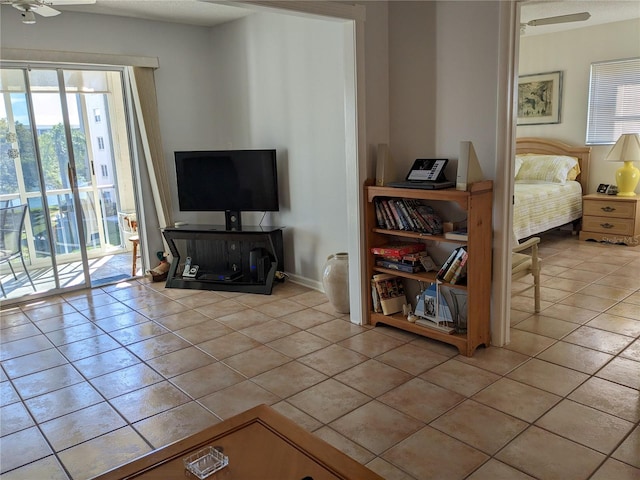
(64, 152)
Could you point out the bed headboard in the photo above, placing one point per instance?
(545, 146)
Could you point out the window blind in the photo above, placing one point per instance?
(614, 100)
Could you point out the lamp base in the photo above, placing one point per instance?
(627, 178)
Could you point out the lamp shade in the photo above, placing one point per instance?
(626, 149)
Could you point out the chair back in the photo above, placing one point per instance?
(11, 226)
(127, 222)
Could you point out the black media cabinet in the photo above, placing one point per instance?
(220, 253)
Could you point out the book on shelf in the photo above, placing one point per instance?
(455, 264)
(383, 215)
(380, 220)
(409, 221)
(420, 258)
(387, 222)
(390, 292)
(398, 250)
(375, 298)
(433, 221)
(461, 271)
(399, 265)
(406, 214)
(427, 263)
(421, 224)
(447, 263)
(397, 215)
(461, 234)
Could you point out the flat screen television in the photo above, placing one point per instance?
(230, 181)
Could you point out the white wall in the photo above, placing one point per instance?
(467, 79)
(572, 53)
(278, 82)
(266, 81)
(443, 77)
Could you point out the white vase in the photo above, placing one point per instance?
(335, 280)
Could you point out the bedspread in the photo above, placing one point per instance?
(542, 206)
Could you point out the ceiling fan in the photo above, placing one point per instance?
(41, 7)
(572, 17)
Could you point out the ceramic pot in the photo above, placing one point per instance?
(335, 280)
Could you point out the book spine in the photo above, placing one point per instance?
(454, 266)
(461, 269)
(391, 224)
(409, 221)
(433, 222)
(379, 215)
(417, 219)
(401, 217)
(447, 264)
(375, 299)
(402, 267)
(396, 215)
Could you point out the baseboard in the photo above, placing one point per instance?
(305, 282)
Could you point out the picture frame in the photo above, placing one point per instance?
(539, 98)
(602, 188)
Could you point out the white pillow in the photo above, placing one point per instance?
(518, 163)
(545, 168)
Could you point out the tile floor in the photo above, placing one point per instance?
(97, 378)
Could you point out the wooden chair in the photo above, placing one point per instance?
(128, 223)
(524, 264)
(11, 227)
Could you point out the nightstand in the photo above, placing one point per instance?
(612, 219)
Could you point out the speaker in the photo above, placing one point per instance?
(232, 219)
(469, 170)
(264, 264)
(384, 166)
(255, 260)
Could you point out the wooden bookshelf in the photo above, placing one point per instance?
(477, 203)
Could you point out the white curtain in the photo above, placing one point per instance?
(143, 88)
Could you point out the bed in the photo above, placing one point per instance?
(543, 203)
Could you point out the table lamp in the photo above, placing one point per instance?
(627, 150)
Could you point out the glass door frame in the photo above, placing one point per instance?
(74, 188)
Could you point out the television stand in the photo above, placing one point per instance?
(243, 260)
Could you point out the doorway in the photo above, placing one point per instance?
(64, 152)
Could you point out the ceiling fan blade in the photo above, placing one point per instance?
(573, 17)
(44, 10)
(71, 2)
(40, 9)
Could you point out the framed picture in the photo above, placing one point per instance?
(539, 98)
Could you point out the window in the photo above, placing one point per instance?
(101, 143)
(614, 101)
(105, 170)
(97, 117)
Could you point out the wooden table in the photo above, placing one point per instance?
(261, 444)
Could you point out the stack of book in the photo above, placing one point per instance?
(398, 250)
(387, 292)
(406, 257)
(407, 214)
(454, 269)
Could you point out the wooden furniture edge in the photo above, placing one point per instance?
(304, 441)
